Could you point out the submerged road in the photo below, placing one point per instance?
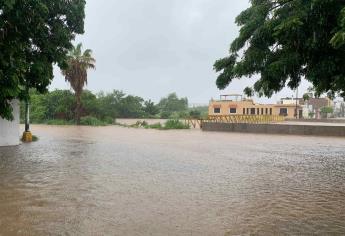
(120, 181)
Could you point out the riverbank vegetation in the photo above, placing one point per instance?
(169, 124)
(97, 109)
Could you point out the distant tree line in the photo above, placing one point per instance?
(60, 105)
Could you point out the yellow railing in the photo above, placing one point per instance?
(195, 123)
(251, 119)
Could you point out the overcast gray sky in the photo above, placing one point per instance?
(151, 48)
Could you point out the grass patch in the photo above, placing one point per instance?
(175, 124)
(92, 121)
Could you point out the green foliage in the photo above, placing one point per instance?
(91, 121)
(169, 124)
(249, 92)
(311, 115)
(326, 110)
(58, 107)
(89, 103)
(200, 112)
(34, 35)
(58, 104)
(131, 107)
(175, 124)
(172, 106)
(306, 96)
(34, 138)
(78, 62)
(150, 108)
(195, 114)
(109, 104)
(286, 40)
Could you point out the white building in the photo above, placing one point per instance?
(9, 130)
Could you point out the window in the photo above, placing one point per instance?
(216, 110)
(262, 111)
(252, 111)
(244, 111)
(283, 112)
(270, 111)
(258, 111)
(233, 110)
(248, 111)
(266, 111)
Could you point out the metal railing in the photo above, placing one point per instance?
(192, 122)
(251, 119)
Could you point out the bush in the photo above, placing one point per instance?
(175, 124)
(91, 121)
(108, 120)
(195, 114)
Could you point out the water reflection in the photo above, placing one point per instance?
(110, 180)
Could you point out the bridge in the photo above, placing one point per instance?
(235, 119)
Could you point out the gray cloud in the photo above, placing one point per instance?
(153, 47)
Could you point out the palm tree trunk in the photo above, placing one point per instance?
(78, 108)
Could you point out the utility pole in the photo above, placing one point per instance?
(27, 136)
(296, 103)
(27, 115)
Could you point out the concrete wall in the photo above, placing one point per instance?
(317, 130)
(9, 130)
(330, 120)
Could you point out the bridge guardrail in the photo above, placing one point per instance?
(251, 119)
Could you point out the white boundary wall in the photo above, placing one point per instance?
(9, 130)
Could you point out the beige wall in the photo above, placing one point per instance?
(248, 107)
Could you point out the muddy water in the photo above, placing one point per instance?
(119, 181)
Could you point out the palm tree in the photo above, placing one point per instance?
(76, 73)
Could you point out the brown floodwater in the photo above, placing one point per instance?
(119, 181)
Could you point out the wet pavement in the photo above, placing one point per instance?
(120, 181)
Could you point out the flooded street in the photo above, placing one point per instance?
(120, 181)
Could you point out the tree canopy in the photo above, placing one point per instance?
(34, 35)
(172, 104)
(60, 106)
(284, 41)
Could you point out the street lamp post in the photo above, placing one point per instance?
(27, 136)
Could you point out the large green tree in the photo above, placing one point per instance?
(172, 104)
(34, 35)
(284, 41)
(76, 73)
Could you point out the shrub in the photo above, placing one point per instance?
(175, 124)
(195, 114)
(108, 120)
(91, 121)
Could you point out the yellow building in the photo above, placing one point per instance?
(240, 106)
